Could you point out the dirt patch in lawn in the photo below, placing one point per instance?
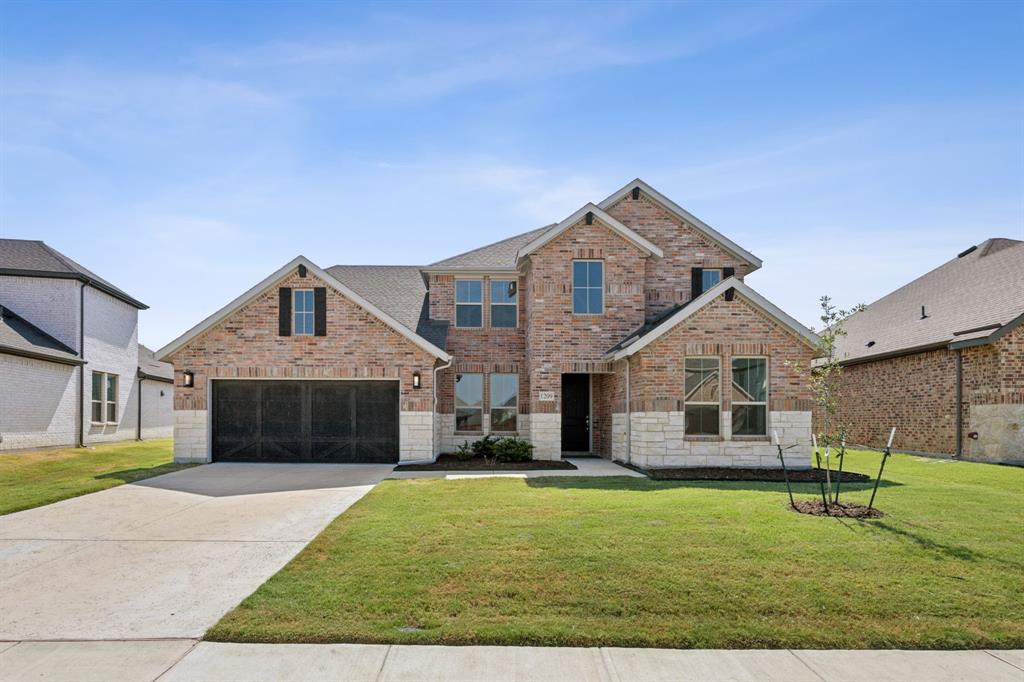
(453, 463)
(843, 509)
(738, 474)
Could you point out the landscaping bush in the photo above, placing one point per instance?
(484, 447)
(465, 452)
(512, 450)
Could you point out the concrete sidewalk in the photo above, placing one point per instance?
(179, 660)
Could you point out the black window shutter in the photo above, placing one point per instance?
(696, 282)
(728, 272)
(284, 311)
(320, 311)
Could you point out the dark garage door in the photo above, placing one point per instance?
(305, 421)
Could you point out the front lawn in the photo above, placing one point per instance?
(635, 562)
(32, 479)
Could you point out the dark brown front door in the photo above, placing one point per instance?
(305, 421)
(575, 413)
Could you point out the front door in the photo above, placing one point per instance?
(575, 413)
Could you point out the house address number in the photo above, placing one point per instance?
(547, 396)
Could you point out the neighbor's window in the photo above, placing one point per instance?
(750, 396)
(104, 398)
(469, 303)
(710, 278)
(302, 308)
(701, 397)
(504, 302)
(587, 287)
(469, 402)
(504, 401)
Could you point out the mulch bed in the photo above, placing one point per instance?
(453, 463)
(737, 474)
(843, 509)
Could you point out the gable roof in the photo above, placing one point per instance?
(151, 368)
(33, 258)
(684, 215)
(500, 255)
(645, 335)
(20, 337)
(629, 235)
(328, 279)
(969, 300)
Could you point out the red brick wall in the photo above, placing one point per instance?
(357, 345)
(667, 280)
(723, 329)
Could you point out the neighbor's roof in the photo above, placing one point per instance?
(648, 333)
(971, 300)
(398, 290)
(497, 256)
(18, 336)
(33, 258)
(151, 368)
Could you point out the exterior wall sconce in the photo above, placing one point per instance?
(416, 380)
(189, 379)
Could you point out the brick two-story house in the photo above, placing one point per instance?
(625, 330)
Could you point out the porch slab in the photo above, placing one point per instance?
(585, 466)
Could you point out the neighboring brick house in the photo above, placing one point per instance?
(625, 331)
(74, 372)
(954, 335)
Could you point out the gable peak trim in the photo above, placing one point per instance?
(589, 212)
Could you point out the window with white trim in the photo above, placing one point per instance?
(504, 401)
(104, 398)
(504, 302)
(709, 278)
(302, 312)
(749, 396)
(469, 303)
(702, 397)
(469, 402)
(587, 287)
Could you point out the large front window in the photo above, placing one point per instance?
(750, 396)
(303, 312)
(587, 287)
(104, 398)
(469, 402)
(504, 401)
(504, 302)
(701, 399)
(469, 303)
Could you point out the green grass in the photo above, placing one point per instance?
(633, 562)
(32, 479)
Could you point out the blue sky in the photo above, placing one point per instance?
(186, 150)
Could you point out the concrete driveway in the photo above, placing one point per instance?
(165, 557)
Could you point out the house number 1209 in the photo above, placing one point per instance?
(547, 396)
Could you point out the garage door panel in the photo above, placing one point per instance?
(318, 421)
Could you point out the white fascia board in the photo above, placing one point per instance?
(683, 214)
(766, 306)
(232, 307)
(629, 235)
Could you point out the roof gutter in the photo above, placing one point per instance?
(21, 352)
(105, 288)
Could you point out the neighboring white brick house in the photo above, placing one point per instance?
(63, 329)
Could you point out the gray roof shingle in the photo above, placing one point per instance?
(153, 368)
(21, 337)
(497, 255)
(399, 291)
(984, 287)
(35, 258)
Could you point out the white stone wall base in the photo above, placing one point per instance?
(1000, 430)
(657, 439)
(447, 441)
(415, 436)
(190, 436)
(546, 436)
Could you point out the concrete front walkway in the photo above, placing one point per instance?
(165, 557)
(585, 466)
(184, 660)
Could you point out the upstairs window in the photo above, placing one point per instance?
(710, 278)
(701, 397)
(504, 303)
(302, 312)
(750, 396)
(469, 303)
(104, 398)
(587, 287)
(469, 402)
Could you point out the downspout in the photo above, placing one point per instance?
(433, 430)
(138, 422)
(81, 368)
(959, 402)
(629, 418)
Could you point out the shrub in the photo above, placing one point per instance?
(465, 452)
(484, 447)
(512, 450)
